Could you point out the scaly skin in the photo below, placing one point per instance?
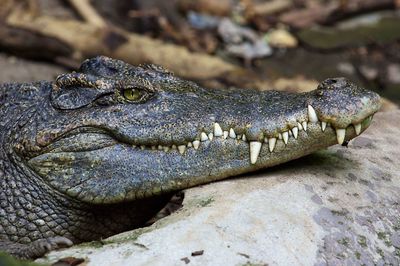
(100, 151)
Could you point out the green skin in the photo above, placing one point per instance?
(80, 156)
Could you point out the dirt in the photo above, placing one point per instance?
(14, 69)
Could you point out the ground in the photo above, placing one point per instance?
(14, 69)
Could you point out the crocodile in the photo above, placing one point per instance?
(101, 150)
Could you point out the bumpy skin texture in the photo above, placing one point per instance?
(94, 153)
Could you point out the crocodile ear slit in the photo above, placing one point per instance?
(77, 90)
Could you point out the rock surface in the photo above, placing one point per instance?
(338, 207)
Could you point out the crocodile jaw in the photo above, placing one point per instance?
(159, 169)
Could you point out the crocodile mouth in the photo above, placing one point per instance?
(95, 165)
(86, 139)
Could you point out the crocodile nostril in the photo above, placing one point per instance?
(330, 81)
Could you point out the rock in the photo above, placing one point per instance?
(249, 51)
(202, 21)
(339, 206)
(346, 68)
(379, 28)
(388, 105)
(393, 73)
(281, 38)
(242, 42)
(370, 73)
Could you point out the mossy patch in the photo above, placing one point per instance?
(358, 255)
(205, 202)
(397, 252)
(7, 260)
(380, 252)
(344, 241)
(340, 213)
(385, 238)
(254, 264)
(92, 244)
(130, 236)
(362, 241)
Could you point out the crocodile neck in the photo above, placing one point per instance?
(30, 209)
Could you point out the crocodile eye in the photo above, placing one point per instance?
(133, 94)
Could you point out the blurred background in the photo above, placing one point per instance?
(271, 44)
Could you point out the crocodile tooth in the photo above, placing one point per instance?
(173, 147)
(255, 148)
(232, 133)
(323, 126)
(210, 136)
(203, 136)
(160, 147)
(295, 132)
(133, 146)
(196, 144)
(244, 137)
(239, 136)
(226, 134)
(142, 147)
(312, 115)
(153, 147)
(304, 124)
(340, 134)
(285, 136)
(357, 127)
(299, 126)
(280, 136)
(217, 130)
(166, 148)
(182, 149)
(271, 144)
(190, 144)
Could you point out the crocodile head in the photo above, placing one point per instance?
(113, 132)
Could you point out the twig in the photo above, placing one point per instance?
(88, 13)
(268, 8)
(87, 40)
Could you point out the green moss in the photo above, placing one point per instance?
(339, 213)
(7, 260)
(362, 241)
(92, 244)
(205, 202)
(254, 264)
(396, 226)
(340, 256)
(380, 252)
(381, 235)
(344, 241)
(397, 252)
(127, 236)
(358, 255)
(385, 238)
